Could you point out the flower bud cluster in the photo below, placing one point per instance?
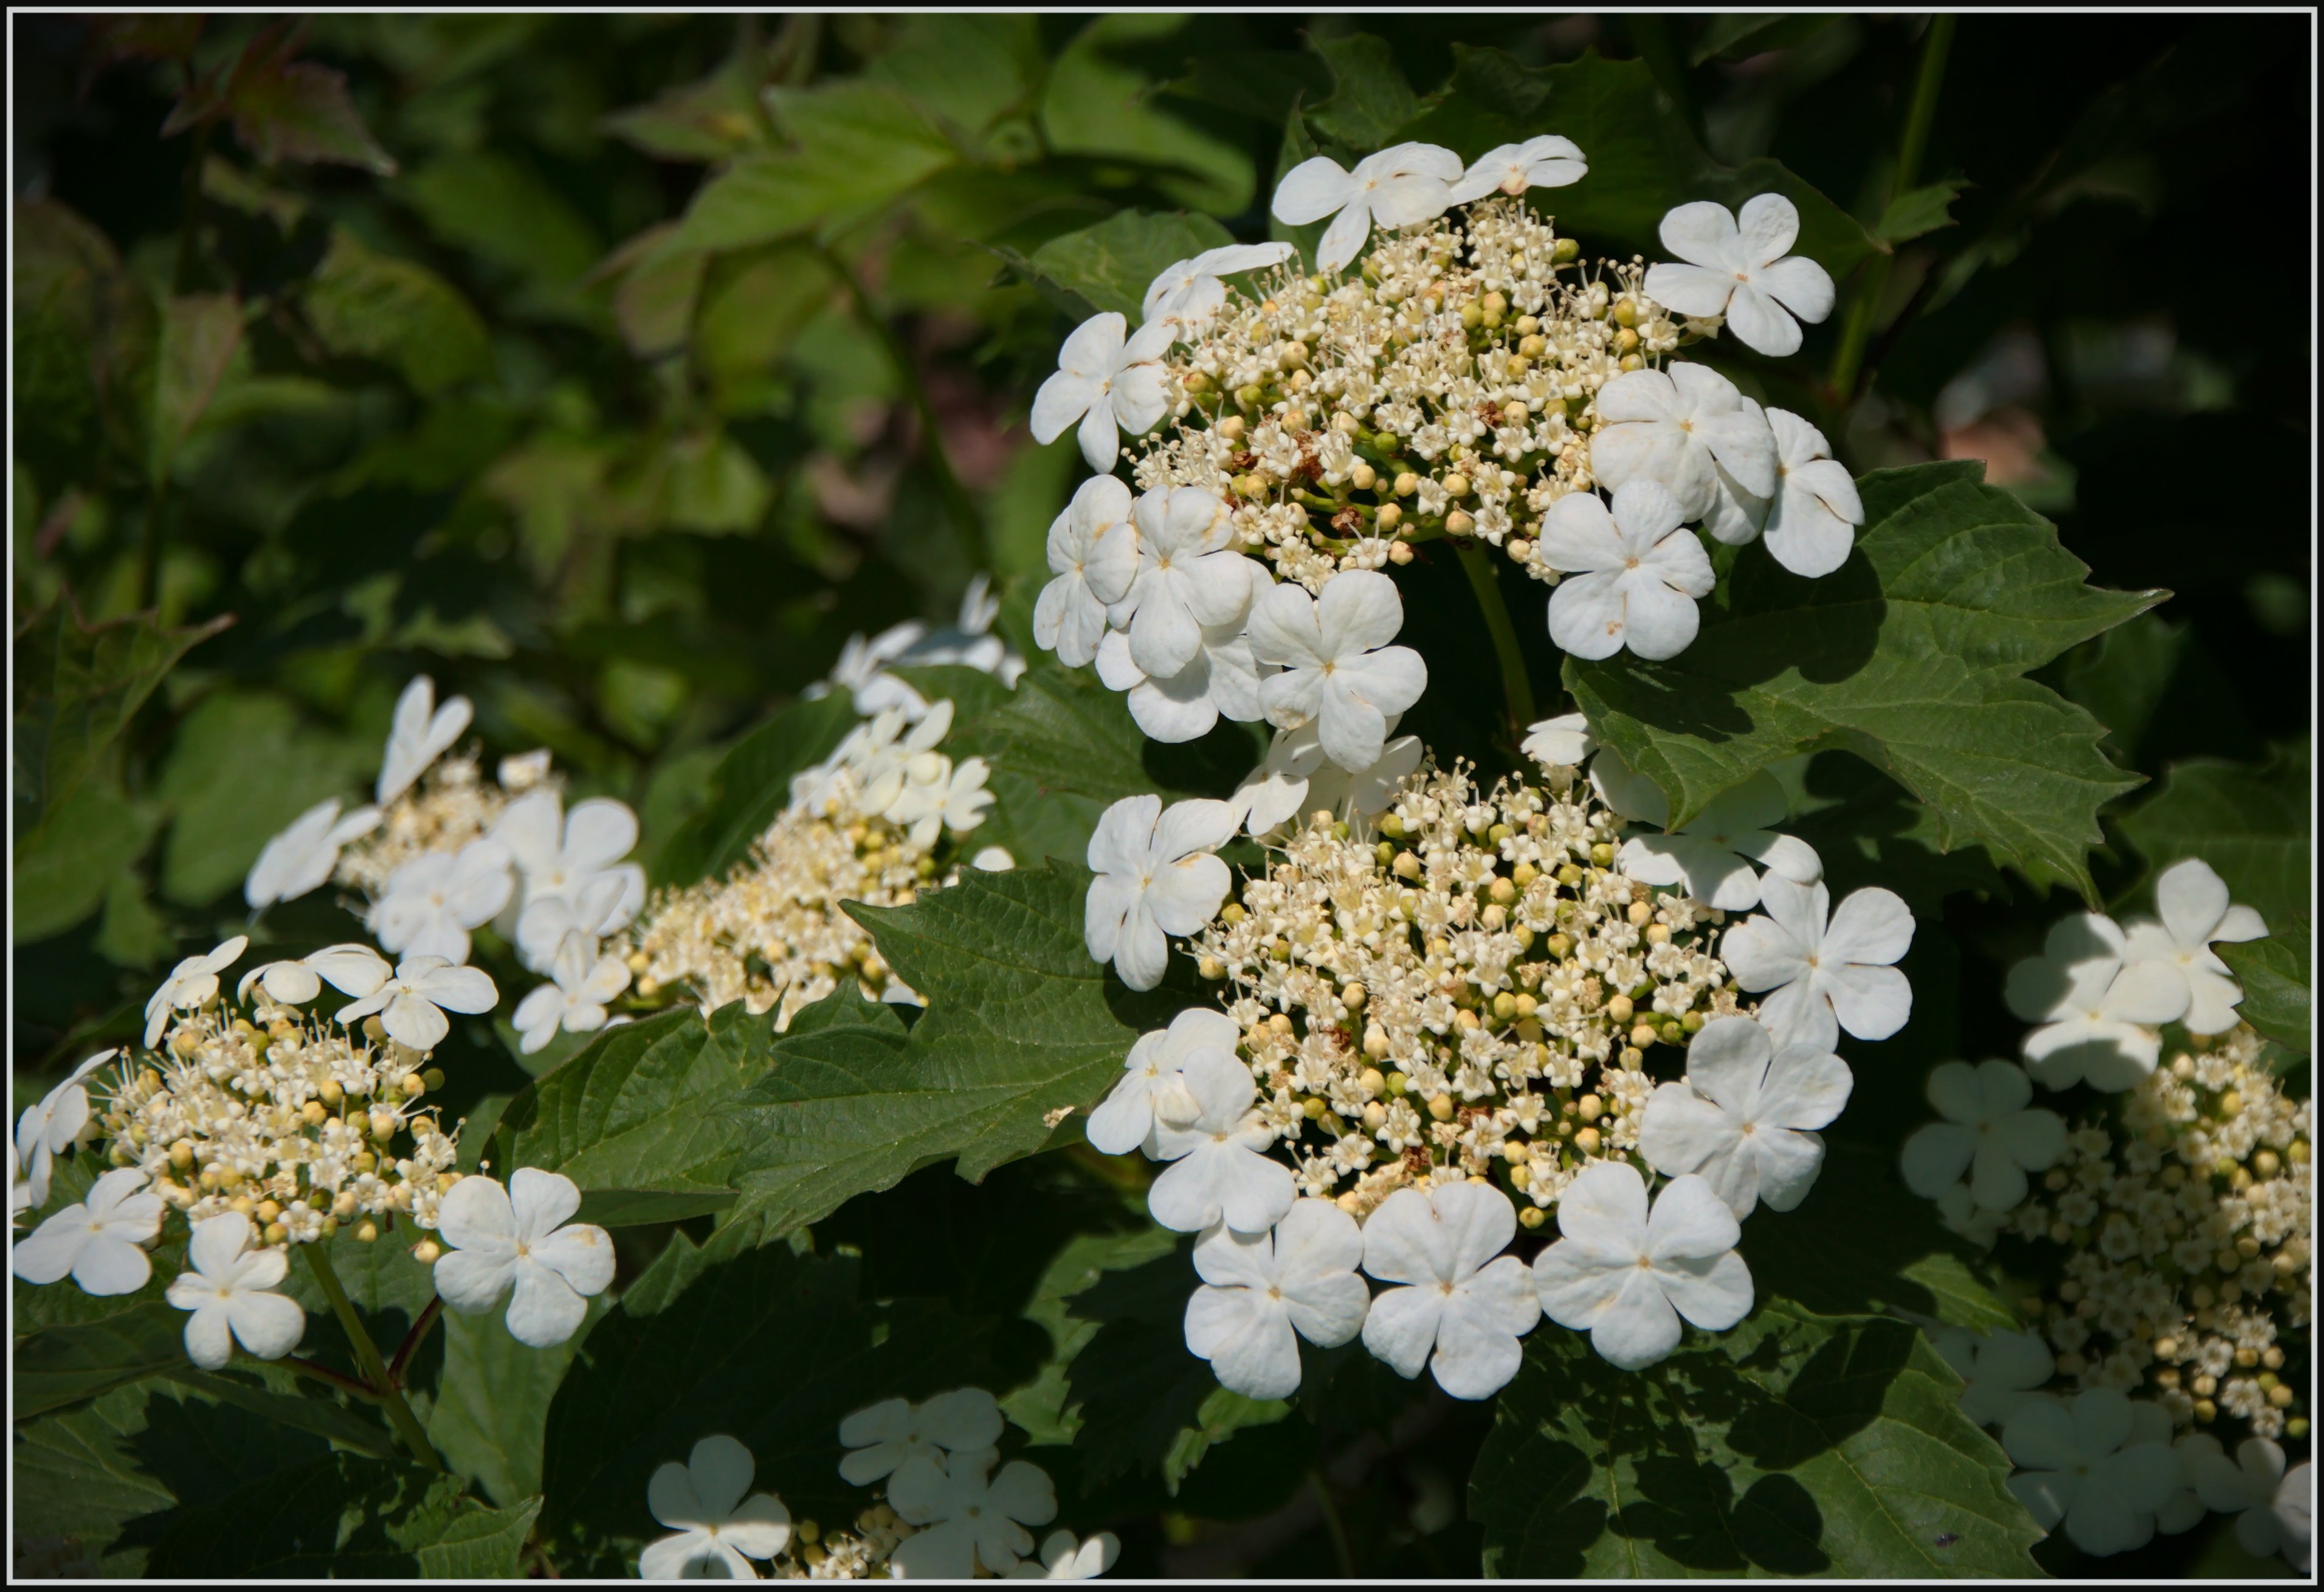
(1469, 993)
(451, 806)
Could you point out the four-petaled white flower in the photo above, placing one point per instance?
(884, 1437)
(1633, 573)
(190, 984)
(2295, 1512)
(1458, 1300)
(229, 1287)
(1828, 969)
(432, 902)
(598, 908)
(2101, 1030)
(1065, 1559)
(2003, 1371)
(352, 969)
(1222, 680)
(560, 852)
(2246, 1487)
(48, 1130)
(1296, 777)
(412, 1005)
(1339, 669)
(1626, 1275)
(969, 1517)
(1219, 1168)
(1546, 162)
(300, 859)
(1187, 578)
(1109, 380)
(1988, 1132)
(702, 1502)
(580, 983)
(2084, 1466)
(1746, 1115)
(1259, 1289)
(1742, 271)
(421, 734)
(1093, 553)
(518, 1237)
(1682, 429)
(1712, 853)
(1156, 877)
(1150, 1089)
(1188, 292)
(97, 1241)
(1810, 523)
(1401, 185)
(2192, 902)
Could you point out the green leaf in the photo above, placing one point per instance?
(492, 1402)
(200, 334)
(1911, 656)
(485, 1546)
(1139, 1390)
(58, 1366)
(85, 336)
(1370, 97)
(1920, 212)
(967, 69)
(2252, 824)
(293, 1406)
(1099, 104)
(501, 210)
(706, 120)
(1022, 1025)
(2124, 675)
(1870, 831)
(1044, 1407)
(1740, 36)
(287, 110)
(751, 787)
(2275, 974)
(223, 818)
(399, 313)
(335, 1516)
(1112, 264)
(859, 146)
(78, 1476)
(66, 863)
(1795, 1444)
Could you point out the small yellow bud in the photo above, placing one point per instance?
(1388, 518)
(1587, 1141)
(382, 1125)
(1280, 1022)
(367, 1233)
(331, 1094)
(2206, 1411)
(181, 1154)
(1459, 522)
(1602, 854)
(1619, 1008)
(1375, 1115)
(1376, 1042)
(1407, 865)
(1440, 1108)
(1398, 1083)
(373, 1029)
(1352, 996)
(1313, 1108)
(427, 1252)
(1406, 484)
(312, 1113)
(1456, 486)
(276, 1233)
(1532, 1217)
(1505, 1006)
(1362, 477)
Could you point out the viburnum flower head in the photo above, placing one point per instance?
(1260, 1289)
(190, 984)
(1463, 1303)
(1988, 1131)
(300, 859)
(1626, 1274)
(1222, 680)
(1712, 853)
(559, 854)
(1824, 969)
(2082, 1466)
(1740, 267)
(1745, 1118)
(1339, 670)
(518, 1237)
(1093, 554)
(1156, 878)
(1296, 777)
(421, 734)
(703, 1502)
(1188, 292)
(969, 1516)
(2192, 900)
(881, 1439)
(598, 908)
(1684, 429)
(1186, 581)
(1151, 1088)
(1546, 162)
(49, 1129)
(1109, 380)
(1401, 185)
(432, 902)
(1633, 573)
(229, 1285)
(2003, 1371)
(1219, 1169)
(1810, 523)
(2246, 1487)
(581, 982)
(1065, 1559)
(97, 1241)
(412, 1005)
(352, 969)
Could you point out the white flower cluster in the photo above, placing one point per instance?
(878, 822)
(866, 665)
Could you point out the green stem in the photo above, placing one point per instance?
(1335, 1526)
(414, 1339)
(324, 1373)
(375, 1369)
(1478, 565)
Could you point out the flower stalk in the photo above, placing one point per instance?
(1515, 684)
(368, 1358)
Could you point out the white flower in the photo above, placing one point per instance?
(228, 1286)
(2002, 1371)
(1811, 523)
(1682, 429)
(1745, 1116)
(2192, 901)
(98, 1240)
(432, 902)
(1150, 1088)
(1401, 185)
(1627, 792)
(1459, 1300)
(2184, 1509)
(420, 734)
(1633, 573)
(1988, 1133)
(1107, 384)
(598, 908)
(2295, 1510)
(594, 839)
(1564, 741)
(1188, 292)
(1295, 777)
(1339, 669)
(1260, 1288)
(50, 1128)
(1222, 678)
(412, 1005)
(517, 1236)
(1742, 272)
(2246, 1487)
(882, 1437)
(190, 984)
(1711, 854)
(1156, 877)
(300, 859)
(1186, 579)
(2039, 987)
(581, 983)
(1065, 1559)
(1825, 976)
(1546, 162)
(2082, 1466)
(20, 1192)
(521, 771)
(1627, 1275)
(1093, 553)
(967, 1518)
(2102, 1033)
(703, 1502)
(1219, 1170)
(352, 969)
(992, 860)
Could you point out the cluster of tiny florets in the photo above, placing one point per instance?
(451, 806)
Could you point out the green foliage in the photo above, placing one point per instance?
(1796, 1444)
(245, 765)
(2252, 824)
(1107, 267)
(282, 109)
(858, 146)
(1370, 97)
(484, 1545)
(491, 1404)
(2277, 974)
(751, 786)
(401, 314)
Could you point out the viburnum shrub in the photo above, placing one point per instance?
(1382, 896)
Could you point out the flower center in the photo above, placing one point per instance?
(1646, 1264)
